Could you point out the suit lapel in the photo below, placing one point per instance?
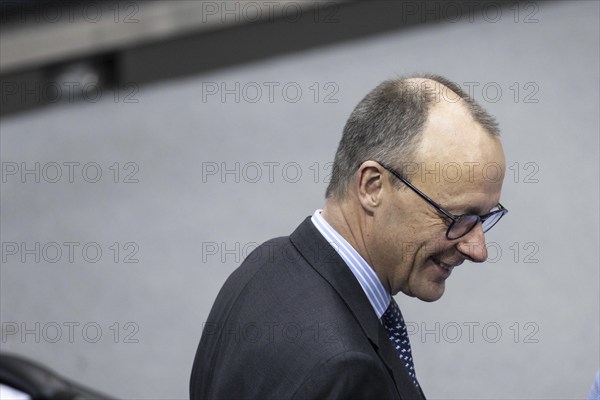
(326, 261)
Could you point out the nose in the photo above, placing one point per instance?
(472, 245)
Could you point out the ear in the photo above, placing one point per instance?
(369, 183)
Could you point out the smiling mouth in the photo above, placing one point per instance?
(447, 267)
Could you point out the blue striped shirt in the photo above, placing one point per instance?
(376, 293)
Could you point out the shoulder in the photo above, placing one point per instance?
(277, 286)
(277, 323)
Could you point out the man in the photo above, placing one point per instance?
(416, 181)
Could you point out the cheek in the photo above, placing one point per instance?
(392, 227)
(410, 243)
(439, 247)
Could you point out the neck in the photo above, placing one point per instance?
(354, 225)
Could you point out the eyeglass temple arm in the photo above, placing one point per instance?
(423, 195)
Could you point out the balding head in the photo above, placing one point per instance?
(387, 124)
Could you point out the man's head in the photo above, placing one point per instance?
(429, 131)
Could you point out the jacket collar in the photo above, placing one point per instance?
(326, 261)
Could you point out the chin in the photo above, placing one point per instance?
(431, 293)
(425, 286)
(430, 299)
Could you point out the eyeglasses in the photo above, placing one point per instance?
(461, 224)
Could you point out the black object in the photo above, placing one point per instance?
(39, 382)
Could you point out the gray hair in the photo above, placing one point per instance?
(386, 125)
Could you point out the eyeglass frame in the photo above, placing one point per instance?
(454, 218)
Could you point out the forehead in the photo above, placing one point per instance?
(458, 162)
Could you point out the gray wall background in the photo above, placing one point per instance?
(525, 325)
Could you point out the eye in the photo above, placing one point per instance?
(445, 220)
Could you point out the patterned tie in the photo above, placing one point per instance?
(396, 330)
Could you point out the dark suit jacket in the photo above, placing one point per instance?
(292, 322)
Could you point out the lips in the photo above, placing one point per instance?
(446, 267)
(448, 264)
